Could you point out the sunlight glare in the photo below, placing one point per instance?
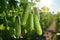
(47, 3)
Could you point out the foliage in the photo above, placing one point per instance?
(18, 22)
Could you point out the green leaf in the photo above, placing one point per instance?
(2, 27)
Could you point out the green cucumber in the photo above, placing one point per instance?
(17, 27)
(30, 23)
(37, 25)
(25, 15)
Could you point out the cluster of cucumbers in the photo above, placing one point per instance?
(29, 21)
(24, 21)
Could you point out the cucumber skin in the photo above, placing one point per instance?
(25, 15)
(17, 27)
(37, 25)
(30, 23)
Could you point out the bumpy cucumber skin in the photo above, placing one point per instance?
(25, 15)
(37, 25)
(17, 27)
(30, 23)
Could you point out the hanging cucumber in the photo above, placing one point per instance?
(37, 25)
(36, 11)
(30, 26)
(25, 15)
(17, 27)
(30, 23)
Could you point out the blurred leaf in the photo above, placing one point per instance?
(38, 0)
(23, 1)
(8, 28)
(1, 38)
(45, 9)
(3, 5)
(12, 4)
(32, 4)
(2, 27)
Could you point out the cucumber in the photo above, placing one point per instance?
(17, 27)
(25, 15)
(30, 23)
(37, 26)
